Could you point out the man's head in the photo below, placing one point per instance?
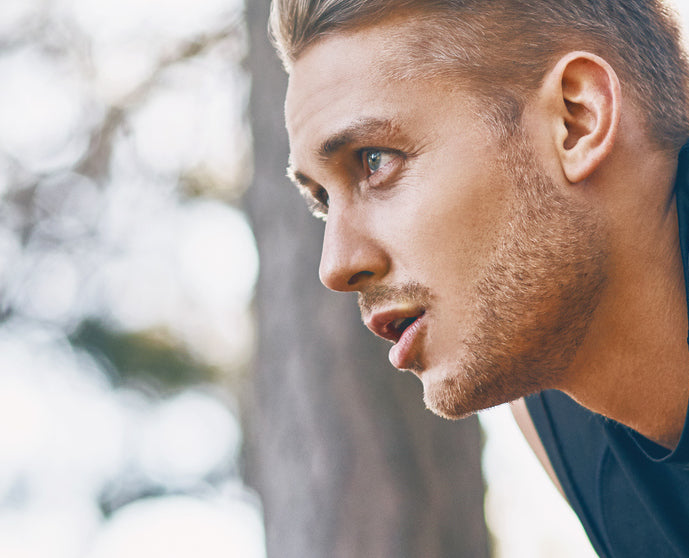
(463, 196)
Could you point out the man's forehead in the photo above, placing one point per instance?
(335, 91)
(318, 75)
(344, 75)
(354, 85)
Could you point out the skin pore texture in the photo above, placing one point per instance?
(546, 259)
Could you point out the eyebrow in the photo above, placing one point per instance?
(299, 178)
(359, 131)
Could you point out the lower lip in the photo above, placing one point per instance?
(400, 355)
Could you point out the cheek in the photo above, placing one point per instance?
(452, 228)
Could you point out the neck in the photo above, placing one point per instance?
(633, 366)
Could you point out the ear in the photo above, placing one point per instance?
(584, 94)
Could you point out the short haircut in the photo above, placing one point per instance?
(504, 48)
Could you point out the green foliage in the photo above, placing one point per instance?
(142, 357)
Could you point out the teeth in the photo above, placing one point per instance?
(400, 324)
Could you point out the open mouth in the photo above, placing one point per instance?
(392, 324)
(402, 325)
(398, 326)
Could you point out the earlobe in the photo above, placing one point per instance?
(587, 98)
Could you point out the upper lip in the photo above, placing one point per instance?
(390, 324)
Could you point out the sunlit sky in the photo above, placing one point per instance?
(65, 431)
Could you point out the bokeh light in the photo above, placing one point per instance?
(182, 527)
(41, 111)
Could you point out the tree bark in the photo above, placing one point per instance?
(347, 461)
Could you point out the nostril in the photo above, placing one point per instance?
(354, 279)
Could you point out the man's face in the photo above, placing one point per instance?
(464, 253)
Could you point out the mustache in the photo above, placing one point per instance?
(381, 295)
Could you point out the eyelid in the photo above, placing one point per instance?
(378, 179)
(363, 153)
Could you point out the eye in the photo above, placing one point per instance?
(322, 197)
(374, 159)
(318, 202)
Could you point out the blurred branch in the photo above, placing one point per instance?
(28, 32)
(95, 163)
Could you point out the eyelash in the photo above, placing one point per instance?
(322, 197)
(318, 199)
(363, 156)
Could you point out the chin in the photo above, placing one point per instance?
(448, 397)
(459, 395)
(450, 410)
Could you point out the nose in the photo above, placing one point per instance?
(352, 256)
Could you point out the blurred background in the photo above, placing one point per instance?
(128, 267)
(126, 273)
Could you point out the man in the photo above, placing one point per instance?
(500, 184)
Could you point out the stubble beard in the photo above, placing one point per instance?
(534, 301)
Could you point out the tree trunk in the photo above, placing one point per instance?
(346, 459)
